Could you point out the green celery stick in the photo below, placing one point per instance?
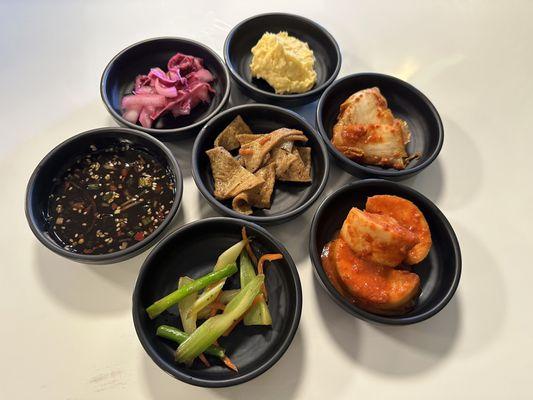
(184, 305)
(174, 334)
(210, 294)
(169, 300)
(207, 333)
(258, 314)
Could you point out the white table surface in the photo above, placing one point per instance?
(67, 330)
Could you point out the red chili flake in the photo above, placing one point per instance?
(114, 206)
(139, 236)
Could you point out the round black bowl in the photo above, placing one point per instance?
(119, 76)
(60, 157)
(439, 273)
(289, 199)
(192, 250)
(405, 101)
(244, 36)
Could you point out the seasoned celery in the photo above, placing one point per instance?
(207, 333)
(211, 293)
(259, 313)
(187, 320)
(169, 300)
(225, 297)
(174, 334)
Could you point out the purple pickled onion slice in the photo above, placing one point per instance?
(180, 89)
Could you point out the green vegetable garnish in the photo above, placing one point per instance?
(209, 295)
(173, 298)
(259, 313)
(205, 335)
(174, 334)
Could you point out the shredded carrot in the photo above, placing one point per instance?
(229, 364)
(204, 360)
(260, 267)
(215, 306)
(245, 152)
(248, 247)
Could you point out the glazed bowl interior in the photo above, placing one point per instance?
(238, 55)
(439, 272)
(64, 155)
(119, 77)
(405, 101)
(193, 250)
(289, 199)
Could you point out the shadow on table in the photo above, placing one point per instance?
(430, 182)
(98, 289)
(463, 176)
(392, 350)
(415, 349)
(279, 382)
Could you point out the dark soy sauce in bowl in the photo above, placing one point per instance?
(109, 199)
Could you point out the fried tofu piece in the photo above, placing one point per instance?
(409, 216)
(377, 238)
(228, 137)
(366, 131)
(259, 196)
(300, 169)
(254, 152)
(375, 287)
(282, 157)
(230, 177)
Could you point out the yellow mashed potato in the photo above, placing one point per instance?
(286, 63)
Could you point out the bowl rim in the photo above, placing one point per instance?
(315, 91)
(269, 219)
(238, 379)
(120, 255)
(155, 131)
(359, 166)
(357, 311)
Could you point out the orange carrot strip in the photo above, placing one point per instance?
(204, 360)
(260, 267)
(215, 306)
(229, 364)
(248, 247)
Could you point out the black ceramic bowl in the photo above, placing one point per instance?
(405, 101)
(439, 272)
(41, 182)
(289, 199)
(192, 250)
(244, 36)
(119, 76)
